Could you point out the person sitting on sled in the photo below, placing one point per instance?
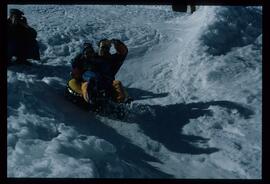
(113, 61)
(84, 73)
(110, 65)
(21, 38)
(96, 72)
(83, 62)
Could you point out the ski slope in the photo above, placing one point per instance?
(196, 80)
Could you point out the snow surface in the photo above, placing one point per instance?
(197, 83)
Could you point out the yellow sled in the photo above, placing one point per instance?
(79, 90)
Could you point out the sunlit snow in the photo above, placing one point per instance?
(196, 80)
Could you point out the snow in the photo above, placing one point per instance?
(196, 80)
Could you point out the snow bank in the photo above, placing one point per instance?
(232, 27)
(229, 56)
(196, 79)
(237, 137)
(40, 147)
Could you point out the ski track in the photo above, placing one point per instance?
(197, 109)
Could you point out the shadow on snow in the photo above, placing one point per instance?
(139, 94)
(166, 123)
(126, 150)
(52, 103)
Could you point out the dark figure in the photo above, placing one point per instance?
(111, 63)
(83, 62)
(84, 71)
(104, 63)
(99, 69)
(21, 38)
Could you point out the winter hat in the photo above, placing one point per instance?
(88, 46)
(14, 11)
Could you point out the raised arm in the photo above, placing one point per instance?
(120, 47)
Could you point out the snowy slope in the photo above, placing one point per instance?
(196, 80)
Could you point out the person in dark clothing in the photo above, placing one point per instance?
(99, 69)
(83, 62)
(21, 38)
(103, 62)
(109, 64)
(113, 62)
(85, 72)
